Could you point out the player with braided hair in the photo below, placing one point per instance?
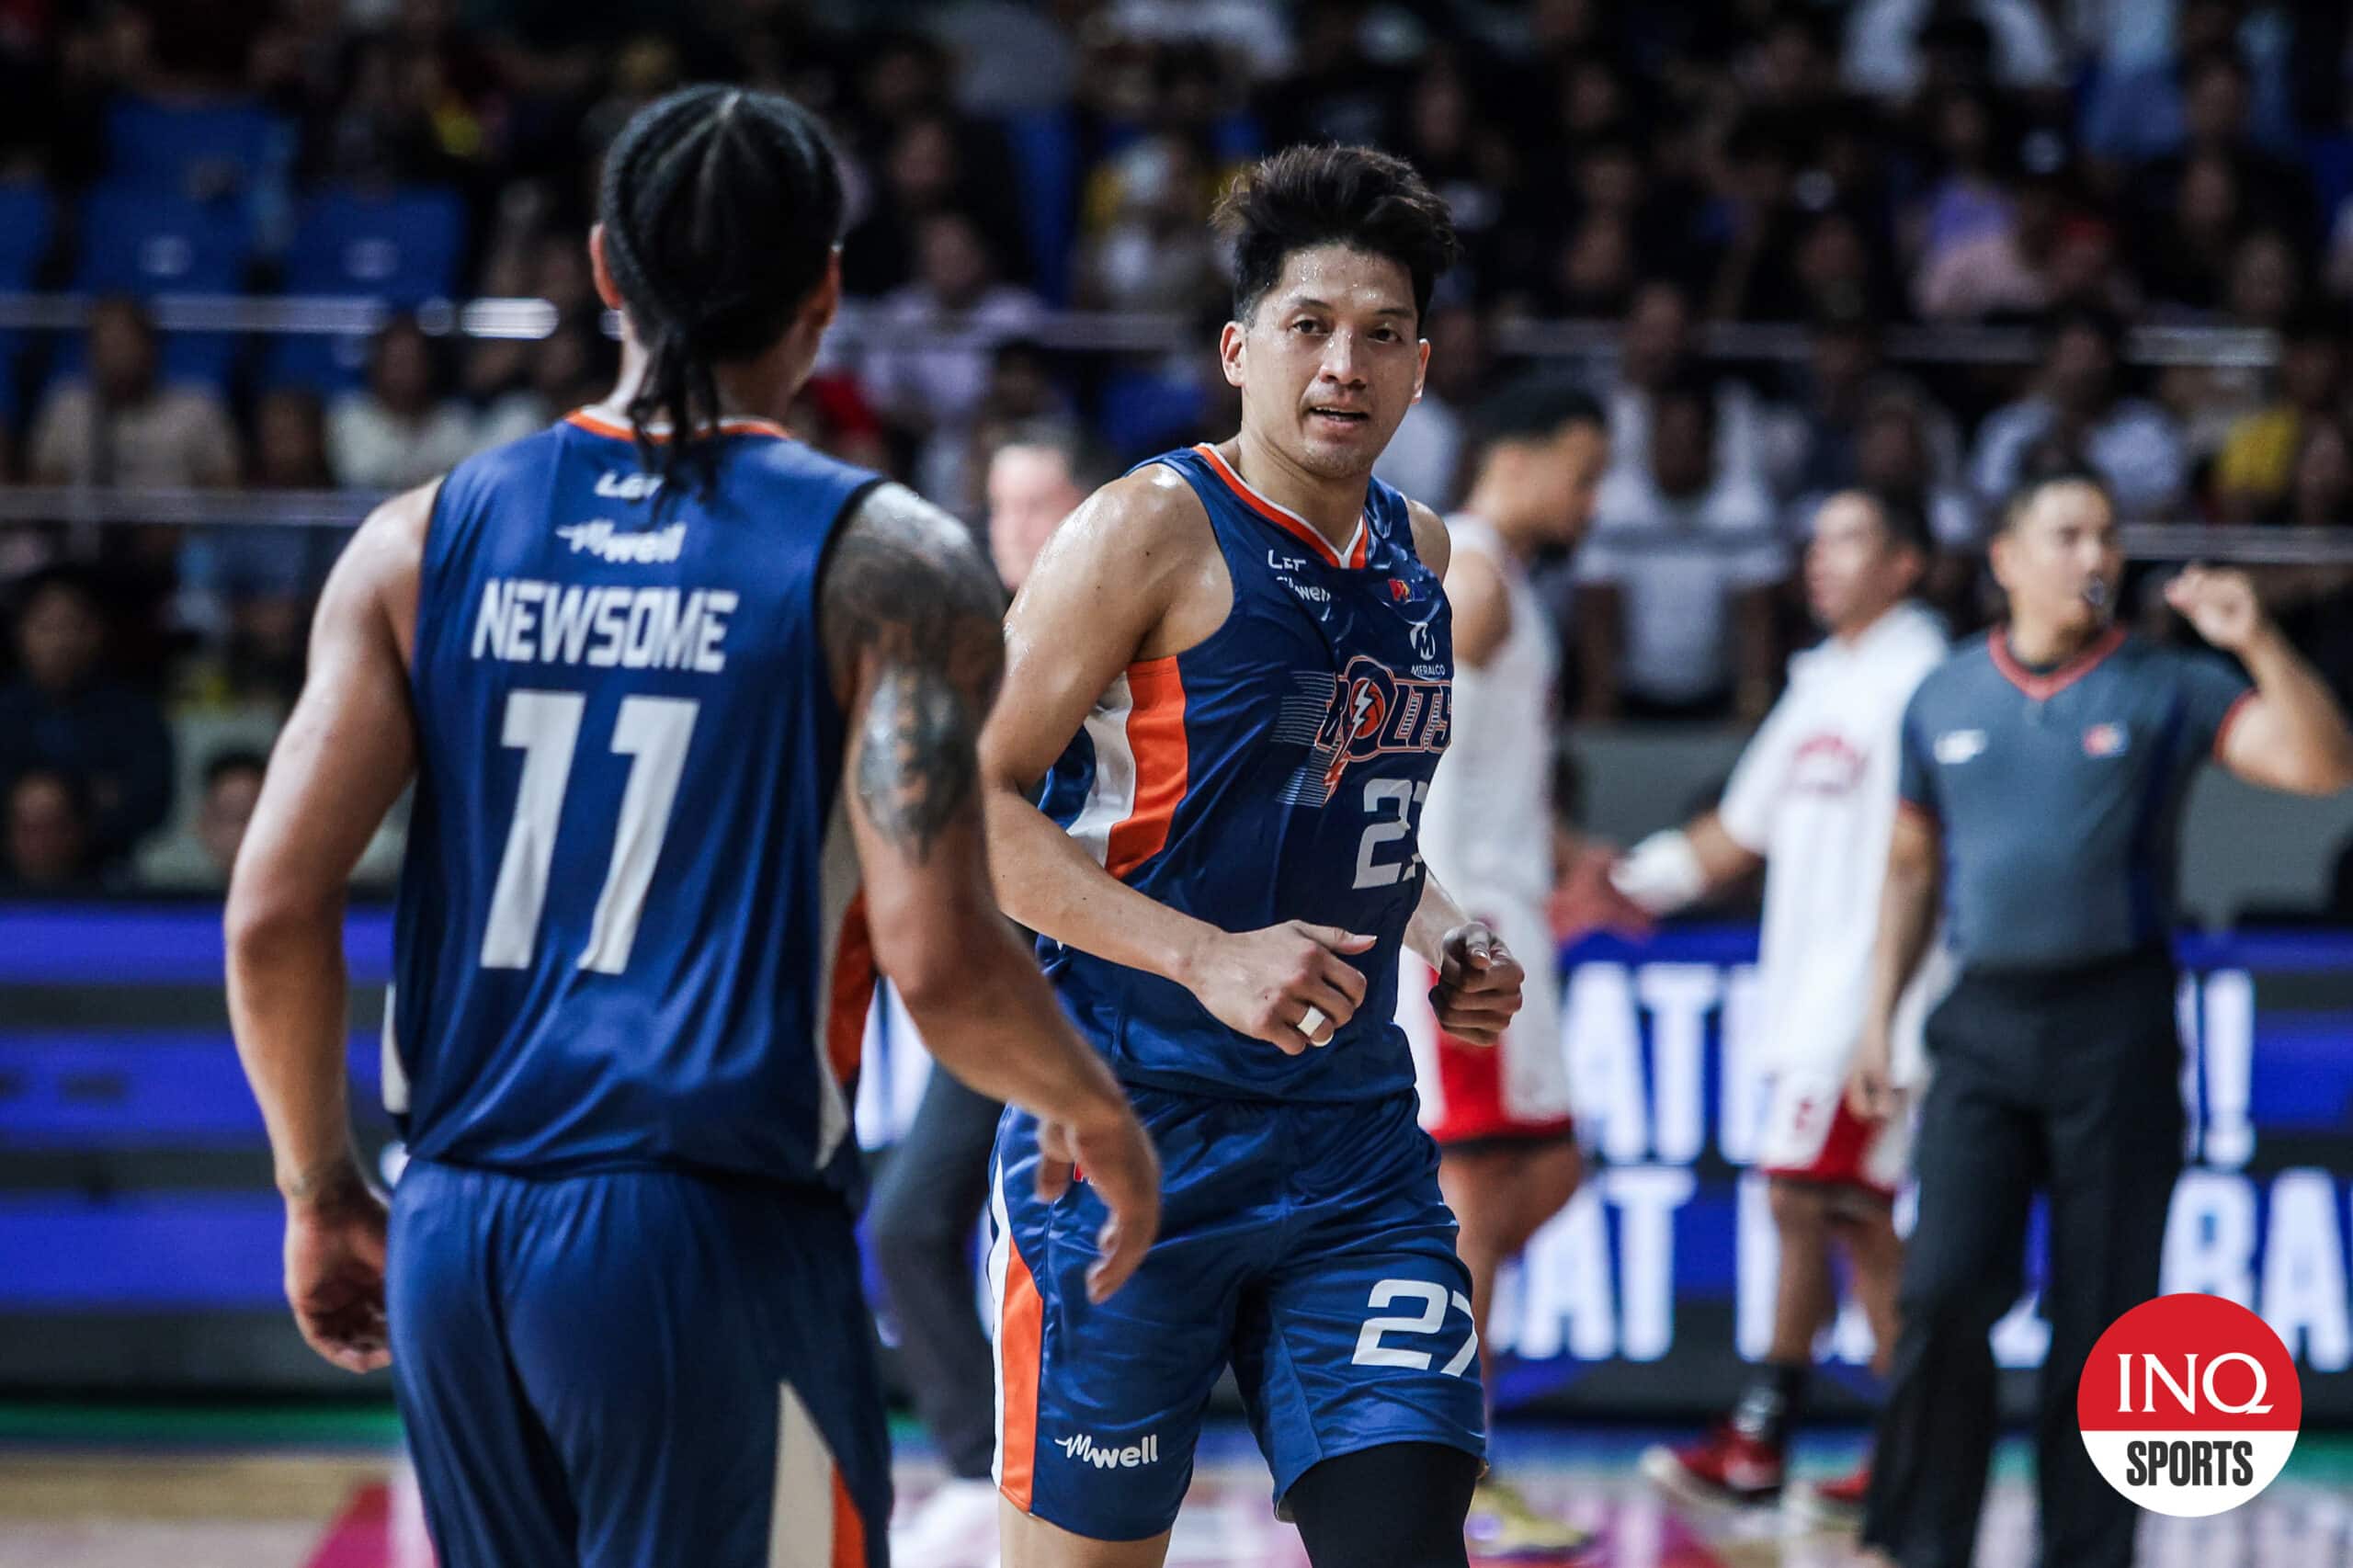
(692, 713)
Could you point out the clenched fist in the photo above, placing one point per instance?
(1478, 985)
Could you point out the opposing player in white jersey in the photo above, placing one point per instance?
(1500, 1114)
(1814, 800)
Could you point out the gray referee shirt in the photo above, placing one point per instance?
(2058, 793)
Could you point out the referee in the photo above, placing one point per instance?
(2041, 777)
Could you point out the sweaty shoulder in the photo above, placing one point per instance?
(1139, 552)
(905, 582)
(1431, 542)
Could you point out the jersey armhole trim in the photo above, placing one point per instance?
(2231, 715)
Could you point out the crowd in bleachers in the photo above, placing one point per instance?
(2068, 165)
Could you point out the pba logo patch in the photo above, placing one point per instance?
(2104, 740)
(2189, 1406)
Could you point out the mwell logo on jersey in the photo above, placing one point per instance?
(2189, 1406)
(601, 540)
(1083, 1450)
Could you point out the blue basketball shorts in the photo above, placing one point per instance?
(1305, 1246)
(635, 1369)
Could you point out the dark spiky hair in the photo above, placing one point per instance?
(1304, 197)
(721, 207)
(1536, 408)
(2040, 477)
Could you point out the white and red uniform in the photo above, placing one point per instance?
(1487, 834)
(1814, 794)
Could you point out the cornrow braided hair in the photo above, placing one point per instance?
(720, 208)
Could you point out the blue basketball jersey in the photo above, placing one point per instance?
(628, 931)
(1274, 772)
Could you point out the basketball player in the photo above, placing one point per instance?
(1813, 803)
(1230, 673)
(669, 683)
(1500, 1114)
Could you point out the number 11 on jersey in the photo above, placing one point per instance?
(545, 727)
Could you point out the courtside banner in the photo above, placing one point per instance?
(136, 1202)
(2189, 1406)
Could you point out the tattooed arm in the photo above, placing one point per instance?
(910, 615)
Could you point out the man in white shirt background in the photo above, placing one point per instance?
(1813, 803)
(2078, 414)
(1674, 612)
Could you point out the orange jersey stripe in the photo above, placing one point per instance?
(1021, 1351)
(849, 1527)
(852, 993)
(742, 426)
(1156, 737)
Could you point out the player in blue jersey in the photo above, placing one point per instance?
(1227, 685)
(692, 713)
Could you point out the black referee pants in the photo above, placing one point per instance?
(2068, 1081)
(924, 1214)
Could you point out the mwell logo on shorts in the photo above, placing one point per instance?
(2189, 1406)
(1083, 1450)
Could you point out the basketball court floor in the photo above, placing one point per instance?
(311, 1489)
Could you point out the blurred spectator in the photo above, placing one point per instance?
(2258, 461)
(1757, 276)
(933, 371)
(2034, 248)
(1037, 475)
(2188, 241)
(1154, 249)
(575, 365)
(2315, 604)
(2137, 110)
(1424, 458)
(400, 429)
(2077, 414)
(2320, 489)
(1894, 456)
(204, 855)
(833, 415)
(1890, 43)
(1675, 616)
(1334, 91)
(47, 836)
(2217, 101)
(921, 157)
(64, 712)
(1846, 380)
(1754, 444)
(118, 425)
(1023, 390)
(245, 590)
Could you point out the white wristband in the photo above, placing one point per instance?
(1662, 873)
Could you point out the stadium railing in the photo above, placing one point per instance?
(1121, 332)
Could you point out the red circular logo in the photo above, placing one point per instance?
(2189, 1404)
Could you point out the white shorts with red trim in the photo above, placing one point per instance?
(1810, 1135)
(1515, 1089)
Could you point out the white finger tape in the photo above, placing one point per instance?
(1311, 1024)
